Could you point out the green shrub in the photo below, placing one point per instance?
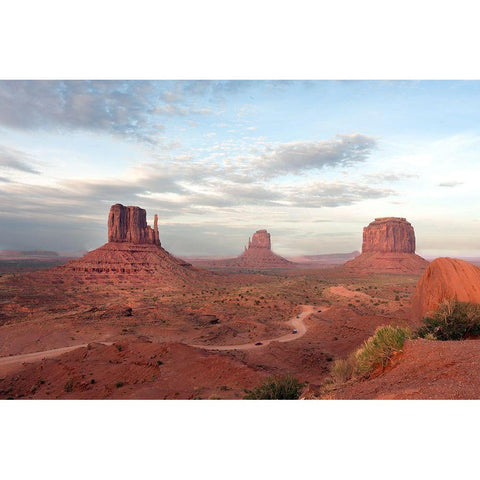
(375, 352)
(283, 387)
(452, 321)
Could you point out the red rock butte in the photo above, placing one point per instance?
(259, 253)
(445, 279)
(389, 234)
(129, 224)
(388, 246)
(133, 248)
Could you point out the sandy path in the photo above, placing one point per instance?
(295, 323)
(6, 362)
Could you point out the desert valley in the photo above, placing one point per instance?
(131, 320)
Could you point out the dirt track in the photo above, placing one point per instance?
(296, 323)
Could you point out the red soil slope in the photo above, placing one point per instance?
(425, 370)
(133, 370)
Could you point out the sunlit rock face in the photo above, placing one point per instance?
(445, 279)
(389, 234)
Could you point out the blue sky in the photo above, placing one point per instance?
(311, 161)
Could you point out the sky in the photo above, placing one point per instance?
(313, 162)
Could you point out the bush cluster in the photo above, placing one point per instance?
(452, 321)
(375, 352)
(283, 387)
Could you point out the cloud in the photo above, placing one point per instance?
(389, 176)
(298, 157)
(115, 107)
(450, 184)
(16, 160)
(333, 194)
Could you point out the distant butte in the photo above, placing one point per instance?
(259, 253)
(133, 248)
(388, 246)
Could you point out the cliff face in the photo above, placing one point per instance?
(389, 234)
(260, 239)
(129, 224)
(445, 279)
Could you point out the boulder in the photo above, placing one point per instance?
(445, 279)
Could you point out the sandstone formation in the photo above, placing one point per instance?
(129, 224)
(445, 279)
(259, 253)
(133, 248)
(388, 246)
(389, 234)
(260, 239)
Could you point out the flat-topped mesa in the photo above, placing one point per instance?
(260, 239)
(129, 225)
(389, 234)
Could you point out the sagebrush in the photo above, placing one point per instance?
(452, 321)
(283, 387)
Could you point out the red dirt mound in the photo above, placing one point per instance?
(426, 370)
(444, 279)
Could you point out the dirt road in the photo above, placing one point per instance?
(297, 323)
(7, 363)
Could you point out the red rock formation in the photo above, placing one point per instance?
(259, 254)
(129, 224)
(389, 234)
(133, 248)
(260, 239)
(445, 279)
(388, 247)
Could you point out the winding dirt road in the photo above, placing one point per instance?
(7, 362)
(297, 323)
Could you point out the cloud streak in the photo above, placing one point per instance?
(298, 157)
(13, 159)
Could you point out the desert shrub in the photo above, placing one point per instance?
(452, 321)
(69, 386)
(375, 352)
(283, 387)
(378, 350)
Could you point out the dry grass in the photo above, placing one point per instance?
(375, 352)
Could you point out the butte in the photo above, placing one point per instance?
(258, 254)
(388, 247)
(133, 251)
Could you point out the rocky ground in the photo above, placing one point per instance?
(54, 309)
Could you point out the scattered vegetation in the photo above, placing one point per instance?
(119, 384)
(283, 387)
(375, 352)
(452, 321)
(69, 386)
